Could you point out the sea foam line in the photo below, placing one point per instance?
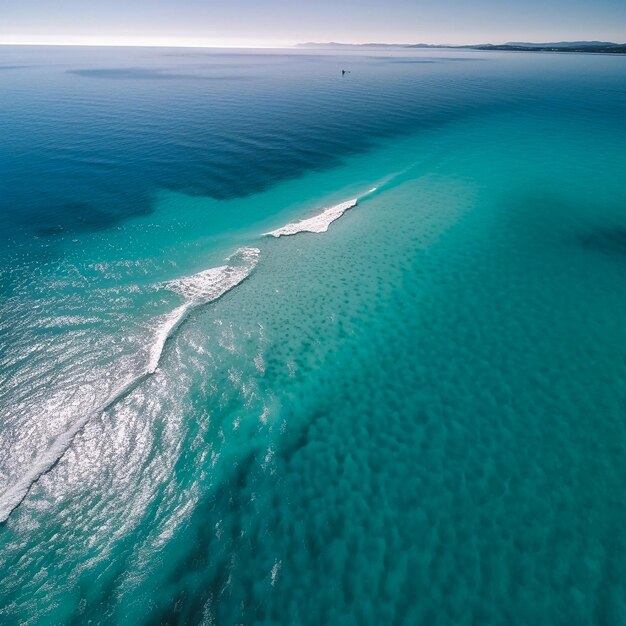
(198, 289)
(319, 223)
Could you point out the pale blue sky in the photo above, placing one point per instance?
(284, 22)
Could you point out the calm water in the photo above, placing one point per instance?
(417, 417)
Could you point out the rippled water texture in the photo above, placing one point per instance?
(412, 414)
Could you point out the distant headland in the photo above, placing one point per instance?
(605, 47)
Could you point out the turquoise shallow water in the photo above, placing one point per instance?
(416, 417)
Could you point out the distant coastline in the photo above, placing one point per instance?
(599, 47)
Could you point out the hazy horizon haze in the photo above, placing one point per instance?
(248, 24)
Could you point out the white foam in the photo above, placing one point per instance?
(164, 331)
(201, 288)
(316, 224)
(211, 284)
(198, 289)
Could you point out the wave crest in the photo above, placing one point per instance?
(317, 223)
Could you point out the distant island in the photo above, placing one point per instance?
(605, 47)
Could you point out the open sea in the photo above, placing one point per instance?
(414, 414)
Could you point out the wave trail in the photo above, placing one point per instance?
(317, 223)
(198, 289)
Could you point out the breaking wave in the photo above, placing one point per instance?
(198, 289)
(317, 223)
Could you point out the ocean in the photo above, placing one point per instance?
(282, 346)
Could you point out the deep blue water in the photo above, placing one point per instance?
(417, 417)
(100, 130)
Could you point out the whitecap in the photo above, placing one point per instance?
(316, 224)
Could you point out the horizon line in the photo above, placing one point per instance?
(87, 44)
(267, 46)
